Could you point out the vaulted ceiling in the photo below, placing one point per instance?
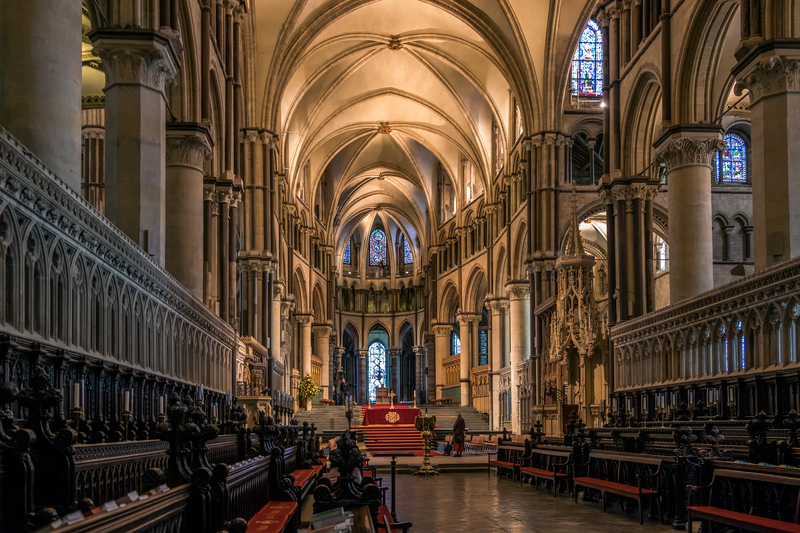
(373, 96)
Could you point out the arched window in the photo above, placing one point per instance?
(346, 255)
(483, 345)
(407, 257)
(377, 368)
(731, 164)
(377, 248)
(587, 63)
(455, 344)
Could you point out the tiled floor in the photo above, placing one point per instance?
(478, 503)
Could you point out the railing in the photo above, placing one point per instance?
(106, 472)
(452, 370)
(721, 337)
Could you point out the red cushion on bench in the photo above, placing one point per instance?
(621, 487)
(747, 519)
(505, 464)
(384, 515)
(323, 460)
(272, 518)
(317, 469)
(540, 472)
(301, 477)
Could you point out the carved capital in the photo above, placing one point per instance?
(305, 320)
(321, 330)
(225, 196)
(136, 57)
(442, 330)
(518, 291)
(496, 305)
(419, 351)
(236, 199)
(769, 75)
(692, 145)
(187, 146)
(209, 193)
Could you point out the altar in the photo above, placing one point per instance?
(384, 415)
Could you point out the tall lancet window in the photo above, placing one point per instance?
(587, 63)
(407, 257)
(346, 255)
(377, 248)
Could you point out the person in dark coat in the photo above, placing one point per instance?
(342, 392)
(459, 436)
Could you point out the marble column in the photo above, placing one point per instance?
(138, 64)
(687, 151)
(519, 311)
(442, 334)
(771, 75)
(305, 322)
(419, 354)
(322, 341)
(40, 97)
(465, 367)
(497, 308)
(362, 377)
(394, 353)
(188, 145)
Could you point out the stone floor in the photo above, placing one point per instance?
(474, 502)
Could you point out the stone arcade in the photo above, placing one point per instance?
(575, 223)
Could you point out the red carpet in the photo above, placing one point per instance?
(397, 437)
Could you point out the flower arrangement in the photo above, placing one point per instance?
(308, 389)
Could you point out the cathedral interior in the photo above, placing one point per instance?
(233, 233)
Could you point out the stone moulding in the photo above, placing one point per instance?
(30, 187)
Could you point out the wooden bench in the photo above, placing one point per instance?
(386, 522)
(506, 463)
(275, 517)
(756, 494)
(608, 477)
(540, 464)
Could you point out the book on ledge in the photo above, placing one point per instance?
(333, 517)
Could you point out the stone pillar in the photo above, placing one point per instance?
(395, 373)
(442, 333)
(430, 367)
(138, 63)
(497, 307)
(419, 354)
(40, 95)
(233, 254)
(225, 198)
(278, 292)
(687, 151)
(188, 144)
(519, 309)
(322, 341)
(93, 137)
(362, 377)
(305, 322)
(467, 348)
(772, 75)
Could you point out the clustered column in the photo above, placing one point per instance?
(442, 334)
(322, 341)
(498, 308)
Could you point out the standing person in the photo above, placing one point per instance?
(342, 392)
(459, 436)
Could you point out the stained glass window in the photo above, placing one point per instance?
(732, 162)
(587, 63)
(377, 368)
(377, 247)
(483, 345)
(407, 257)
(346, 256)
(455, 347)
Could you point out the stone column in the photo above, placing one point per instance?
(40, 96)
(465, 367)
(138, 63)
(772, 75)
(362, 376)
(210, 211)
(225, 198)
(430, 367)
(419, 354)
(278, 291)
(305, 322)
(519, 309)
(93, 137)
(442, 333)
(188, 144)
(233, 253)
(395, 373)
(687, 151)
(497, 307)
(322, 341)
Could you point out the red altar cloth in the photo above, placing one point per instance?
(390, 417)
